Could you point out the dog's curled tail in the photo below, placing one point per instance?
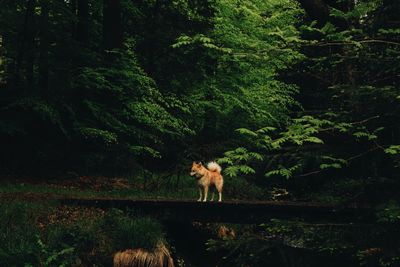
(214, 167)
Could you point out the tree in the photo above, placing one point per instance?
(44, 48)
(82, 27)
(112, 28)
(26, 36)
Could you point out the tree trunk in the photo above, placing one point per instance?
(82, 31)
(23, 39)
(30, 51)
(112, 26)
(73, 6)
(2, 60)
(44, 48)
(9, 63)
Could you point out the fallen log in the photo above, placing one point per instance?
(233, 211)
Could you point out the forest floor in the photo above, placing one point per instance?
(33, 204)
(90, 187)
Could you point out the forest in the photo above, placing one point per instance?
(297, 100)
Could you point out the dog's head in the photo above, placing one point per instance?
(196, 168)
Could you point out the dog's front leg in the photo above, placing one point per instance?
(200, 194)
(205, 193)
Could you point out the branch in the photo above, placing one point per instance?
(366, 120)
(364, 153)
(349, 159)
(309, 173)
(355, 42)
(352, 123)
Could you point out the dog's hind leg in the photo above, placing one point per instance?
(213, 189)
(200, 197)
(205, 193)
(219, 188)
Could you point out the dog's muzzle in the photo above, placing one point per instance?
(196, 174)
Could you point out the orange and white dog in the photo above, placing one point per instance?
(210, 176)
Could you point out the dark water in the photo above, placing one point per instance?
(190, 244)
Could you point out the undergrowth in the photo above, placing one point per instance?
(39, 234)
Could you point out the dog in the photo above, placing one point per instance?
(206, 177)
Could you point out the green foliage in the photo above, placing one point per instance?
(135, 116)
(215, 70)
(62, 258)
(128, 232)
(105, 137)
(104, 234)
(248, 48)
(284, 172)
(18, 233)
(301, 131)
(303, 102)
(42, 235)
(341, 145)
(334, 163)
(390, 213)
(393, 149)
(200, 40)
(235, 159)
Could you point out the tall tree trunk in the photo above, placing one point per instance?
(74, 8)
(9, 63)
(29, 13)
(44, 48)
(30, 52)
(82, 33)
(112, 26)
(3, 63)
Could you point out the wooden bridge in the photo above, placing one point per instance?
(233, 211)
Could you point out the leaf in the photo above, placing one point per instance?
(313, 139)
(265, 130)
(104, 136)
(329, 166)
(284, 172)
(246, 169)
(393, 150)
(247, 132)
(231, 171)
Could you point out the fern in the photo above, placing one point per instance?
(284, 172)
(393, 149)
